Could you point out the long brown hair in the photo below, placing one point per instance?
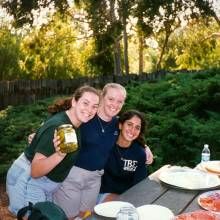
(130, 114)
(66, 103)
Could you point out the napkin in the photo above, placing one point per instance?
(155, 176)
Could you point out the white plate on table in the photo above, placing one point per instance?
(210, 201)
(110, 209)
(154, 212)
(190, 179)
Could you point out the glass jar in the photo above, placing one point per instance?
(127, 213)
(68, 138)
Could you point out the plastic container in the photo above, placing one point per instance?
(127, 213)
(205, 153)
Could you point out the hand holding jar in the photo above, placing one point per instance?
(68, 140)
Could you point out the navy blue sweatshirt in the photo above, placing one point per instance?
(125, 168)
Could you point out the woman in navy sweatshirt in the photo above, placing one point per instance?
(126, 163)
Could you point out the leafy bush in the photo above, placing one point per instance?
(16, 123)
(182, 110)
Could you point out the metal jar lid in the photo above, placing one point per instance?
(65, 126)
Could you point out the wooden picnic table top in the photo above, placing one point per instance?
(151, 192)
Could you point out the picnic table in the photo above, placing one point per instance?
(151, 192)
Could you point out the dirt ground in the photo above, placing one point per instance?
(4, 215)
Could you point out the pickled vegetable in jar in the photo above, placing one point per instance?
(68, 138)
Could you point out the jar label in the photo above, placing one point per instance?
(70, 137)
(205, 157)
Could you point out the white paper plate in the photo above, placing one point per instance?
(154, 212)
(110, 209)
(190, 179)
(207, 199)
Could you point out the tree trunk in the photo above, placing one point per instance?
(163, 50)
(117, 58)
(117, 49)
(125, 38)
(217, 19)
(141, 57)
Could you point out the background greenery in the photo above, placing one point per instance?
(182, 111)
(66, 39)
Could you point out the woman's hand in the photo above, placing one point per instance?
(149, 155)
(56, 142)
(31, 137)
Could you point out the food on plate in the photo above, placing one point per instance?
(210, 200)
(198, 215)
(213, 166)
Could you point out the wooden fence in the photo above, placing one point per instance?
(27, 91)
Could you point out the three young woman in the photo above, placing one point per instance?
(78, 192)
(38, 172)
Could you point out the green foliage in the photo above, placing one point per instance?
(10, 54)
(194, 47)
(52, 52)
(16, 123)
(183, 111)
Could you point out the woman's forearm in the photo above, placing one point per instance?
(42, 165)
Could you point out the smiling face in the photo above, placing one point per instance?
(86, 106)
(129, 130)
(111, 103)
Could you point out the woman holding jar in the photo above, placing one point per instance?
(39, 171)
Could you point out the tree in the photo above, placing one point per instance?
(207, 9)
(53, 50)
(10, 55)
(166, 16)
(125, 10)
(22, 10)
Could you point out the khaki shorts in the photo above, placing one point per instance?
(79, 191)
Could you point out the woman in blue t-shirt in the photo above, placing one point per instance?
(78, 192)
(126, 163)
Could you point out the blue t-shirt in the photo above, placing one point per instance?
(125, 168)
(96, 144)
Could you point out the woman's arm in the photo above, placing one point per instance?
(149, 155)
(42, 165)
